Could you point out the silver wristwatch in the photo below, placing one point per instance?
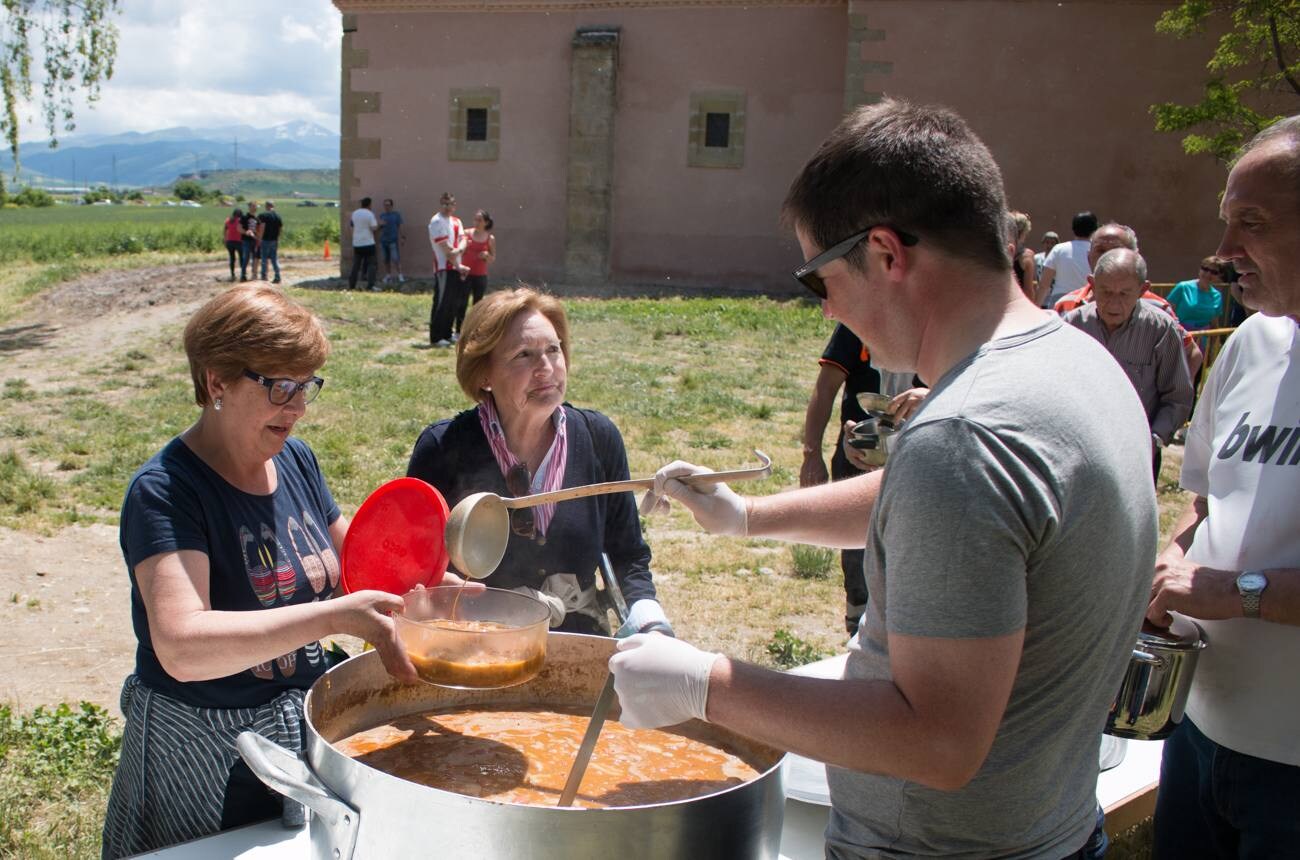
(1250, 585)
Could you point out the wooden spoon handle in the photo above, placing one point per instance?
(583, 492)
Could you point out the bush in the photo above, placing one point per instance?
(812, 562)
(788, 650)
(103, 192)
(189, 189)
(35, 197)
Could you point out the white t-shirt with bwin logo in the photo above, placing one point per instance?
(1243, 455)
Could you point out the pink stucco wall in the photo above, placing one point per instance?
(692, 225)
(1059, 90)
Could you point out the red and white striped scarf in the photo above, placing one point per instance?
(552, 465)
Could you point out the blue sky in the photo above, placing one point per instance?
(198, 63)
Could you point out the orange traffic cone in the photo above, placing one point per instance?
(327, 249)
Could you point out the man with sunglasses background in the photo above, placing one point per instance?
(1009, 539)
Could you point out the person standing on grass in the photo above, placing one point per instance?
(248, 231)
(1230, 772)
(1009, 542)
(268, 233)
(447, 236)
(234, 233)
(1146, 342)
(364, 227)
(480, 251)
(391, 236)
(846, 364)
(1065, 268)
(232, 542)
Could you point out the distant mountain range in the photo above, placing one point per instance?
(159, 157)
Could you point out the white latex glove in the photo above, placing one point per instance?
(644, 612)
(660, 681)
(716, 507)
(554, 604)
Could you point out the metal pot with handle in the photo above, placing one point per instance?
(358, 811)
(1153, 694)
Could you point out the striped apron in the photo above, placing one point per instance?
(171, 780)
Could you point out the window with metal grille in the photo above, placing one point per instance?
(717, 129)
(476, 124)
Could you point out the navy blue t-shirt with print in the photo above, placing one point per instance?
(263, 552)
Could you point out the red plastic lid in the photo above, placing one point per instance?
(396, 540)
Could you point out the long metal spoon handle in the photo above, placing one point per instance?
(641, 484)
(580, 761)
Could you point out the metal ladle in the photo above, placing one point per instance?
(478, 528)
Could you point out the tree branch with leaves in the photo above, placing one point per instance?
(1255, 69)
(72, 43)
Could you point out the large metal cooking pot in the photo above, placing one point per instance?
(1150, 702)
(366, 813)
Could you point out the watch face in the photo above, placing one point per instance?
(1251, 581)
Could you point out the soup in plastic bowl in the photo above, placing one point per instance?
(495, 638)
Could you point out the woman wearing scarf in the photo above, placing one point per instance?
(521, 438)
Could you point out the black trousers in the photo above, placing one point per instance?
(453, 295)
(363, 258)
(475, 287)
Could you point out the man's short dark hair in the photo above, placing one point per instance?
(1084, 224)
(915, 168)
(365, 202)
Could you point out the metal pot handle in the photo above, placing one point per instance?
(1147, 659)
(289, 775)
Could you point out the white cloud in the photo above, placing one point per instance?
(202, 64)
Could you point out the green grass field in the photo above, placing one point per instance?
(705, 380)
(61, 233)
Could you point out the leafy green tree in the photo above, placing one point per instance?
(1254, 70)
(35, 197)
(189, 189)
(4, 195)
(76, 43)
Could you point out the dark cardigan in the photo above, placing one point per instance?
(453, 455)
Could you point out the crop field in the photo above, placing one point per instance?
(61, 233)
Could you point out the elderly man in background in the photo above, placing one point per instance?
(1230, 776)
(1108, 237)
(966, 723)
(1146, 343)
(1066, 266)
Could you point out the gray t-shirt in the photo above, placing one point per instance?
(1019, 495)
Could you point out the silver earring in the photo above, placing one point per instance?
(217, 404)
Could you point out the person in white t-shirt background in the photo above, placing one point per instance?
(1230, 774)
(1065, 268)
(364, 226)
(447, 236)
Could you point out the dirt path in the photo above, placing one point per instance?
(65, 598)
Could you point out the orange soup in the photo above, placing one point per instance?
(522, 755)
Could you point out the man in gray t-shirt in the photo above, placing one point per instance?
(1009, 538)
(999, 514)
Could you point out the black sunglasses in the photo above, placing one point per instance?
(519, 483)
(280, 390)
(807, 273)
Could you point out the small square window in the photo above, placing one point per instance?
(717, 130)
(476, 124)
